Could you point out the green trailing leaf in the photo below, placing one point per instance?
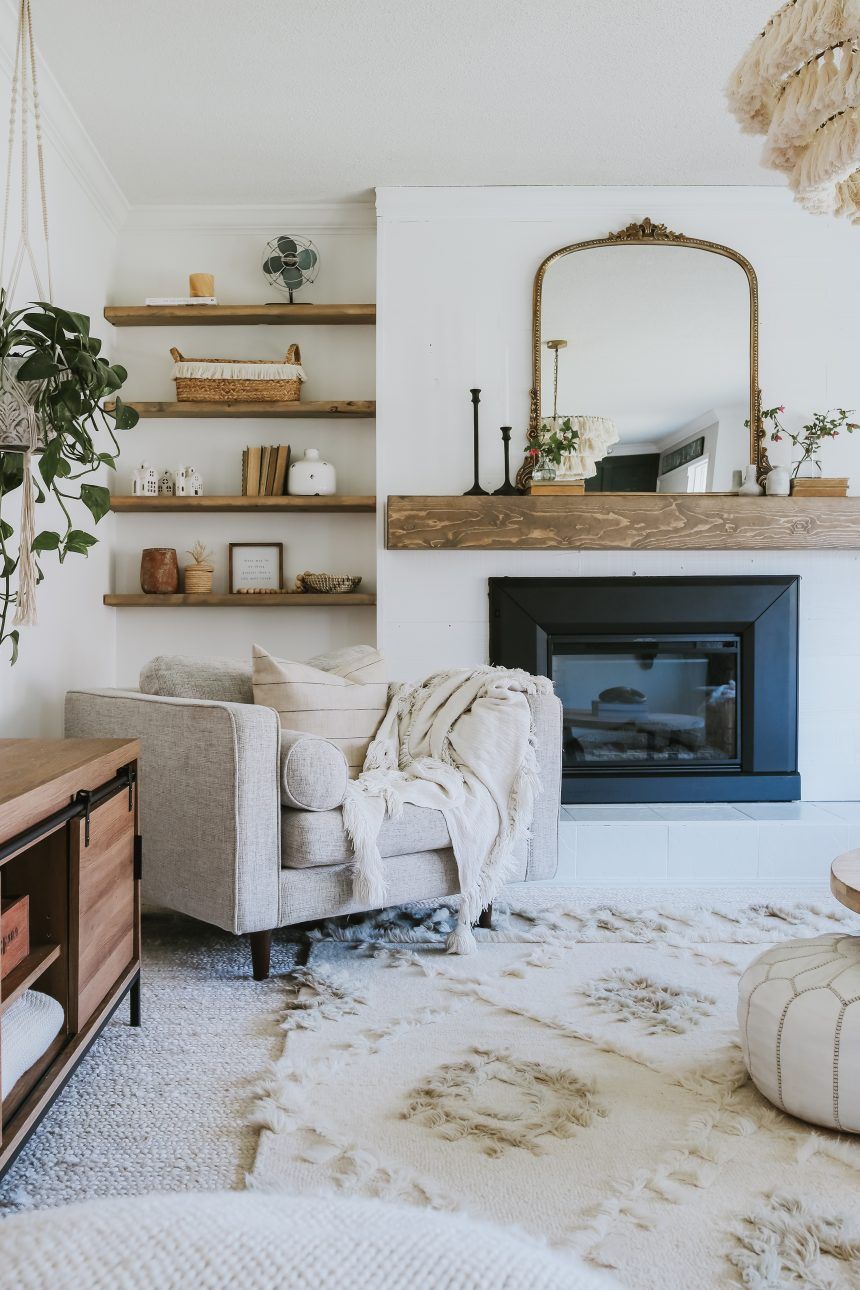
(96, 499)
(80, 542)
(73, 382)
(38, 367)
(46, 541)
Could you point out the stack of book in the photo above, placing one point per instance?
(821, 487)
(264, 471)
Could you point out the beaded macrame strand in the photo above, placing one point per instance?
(25, 90)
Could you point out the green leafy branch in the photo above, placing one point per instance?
(823, 426)
(61, 355)
(553, 442)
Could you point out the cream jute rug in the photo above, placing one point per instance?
(578, 1077)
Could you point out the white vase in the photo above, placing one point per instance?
(310, 476)
(778, 482)
(750, 487)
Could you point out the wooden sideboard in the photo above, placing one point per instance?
(69, 841)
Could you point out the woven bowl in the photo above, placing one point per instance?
(328, 583)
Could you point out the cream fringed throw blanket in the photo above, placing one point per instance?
(460, 742)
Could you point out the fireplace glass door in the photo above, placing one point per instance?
(646, 703)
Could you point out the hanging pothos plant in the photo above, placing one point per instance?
(51, 350)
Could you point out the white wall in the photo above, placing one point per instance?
(455, 270)
(73, 643)
(158, 248)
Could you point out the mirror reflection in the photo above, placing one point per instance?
(653, 341)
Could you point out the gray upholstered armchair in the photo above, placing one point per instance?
(241, 822)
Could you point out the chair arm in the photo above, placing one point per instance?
(209, 800)
(543, 844)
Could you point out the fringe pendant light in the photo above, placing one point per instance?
(18, 421)
(799, 85)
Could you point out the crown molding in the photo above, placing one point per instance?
(538, 203)
(329, 218)
(64, 131)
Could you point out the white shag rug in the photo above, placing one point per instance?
(163, 1108)
(579, 1077)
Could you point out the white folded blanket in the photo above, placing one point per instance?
(29, 1028)
(462, 743)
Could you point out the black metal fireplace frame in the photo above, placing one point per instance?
(763, 611)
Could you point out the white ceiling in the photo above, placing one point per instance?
(275, 101)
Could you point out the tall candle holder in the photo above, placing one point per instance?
(476, 490)
(507, 489)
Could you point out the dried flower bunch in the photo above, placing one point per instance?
(202, 556)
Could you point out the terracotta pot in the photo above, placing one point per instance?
(159, 570)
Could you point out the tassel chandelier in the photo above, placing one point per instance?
(799, 86)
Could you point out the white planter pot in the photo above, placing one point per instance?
(310, 476)
(778, 482)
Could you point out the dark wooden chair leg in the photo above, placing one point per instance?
(261, 949)
(486, 917)
(134, 1001)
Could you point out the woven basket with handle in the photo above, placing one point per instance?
(224, 389)
(330, 583)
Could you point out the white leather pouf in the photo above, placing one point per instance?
(799, 1018)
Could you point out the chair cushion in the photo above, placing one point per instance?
(177, 676)
(309, 840)
(224, 680)
(345, 704)
(314, 772)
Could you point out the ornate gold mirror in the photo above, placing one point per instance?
(649, 343)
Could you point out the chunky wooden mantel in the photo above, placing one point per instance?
(623, 521)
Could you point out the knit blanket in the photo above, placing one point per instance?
(460, 742)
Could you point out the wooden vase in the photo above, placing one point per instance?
(159, 570)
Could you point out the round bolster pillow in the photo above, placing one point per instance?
(314, 772)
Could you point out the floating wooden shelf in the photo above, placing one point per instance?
(27, 973)
(338, 408)
(623, 521)
(238, 315)
(300, 505)
(279, 600)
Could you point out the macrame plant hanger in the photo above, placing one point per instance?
(24, 92)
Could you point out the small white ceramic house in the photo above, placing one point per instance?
(166, 484)
(181, 486)
(193, 482)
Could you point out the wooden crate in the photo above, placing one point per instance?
(14, 932)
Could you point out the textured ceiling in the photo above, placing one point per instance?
(274, 101)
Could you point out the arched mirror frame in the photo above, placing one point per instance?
(650, 234)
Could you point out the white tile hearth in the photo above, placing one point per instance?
(749, 842)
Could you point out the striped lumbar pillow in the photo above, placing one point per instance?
(344, 703)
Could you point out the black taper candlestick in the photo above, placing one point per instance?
(476, 490)
(507, 489)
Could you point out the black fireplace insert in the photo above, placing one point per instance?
(673, 689)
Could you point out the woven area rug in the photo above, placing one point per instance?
(578, 1077)
(163, 1108)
